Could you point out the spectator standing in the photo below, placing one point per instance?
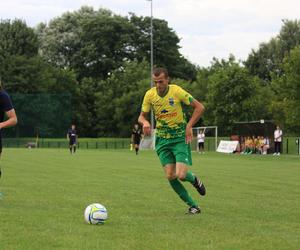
(277, 140)
(201, 139)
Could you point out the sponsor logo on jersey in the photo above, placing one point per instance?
(168, 115)
(171, 101)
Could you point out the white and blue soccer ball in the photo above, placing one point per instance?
(95, 214)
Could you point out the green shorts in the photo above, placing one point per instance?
(173, 150)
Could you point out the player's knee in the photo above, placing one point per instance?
(181, 176)
(171, 176)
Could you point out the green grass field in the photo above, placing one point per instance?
(253, 202)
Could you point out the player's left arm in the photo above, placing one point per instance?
(11, 121)
(198, 107)
(198, 111)
(143, 117)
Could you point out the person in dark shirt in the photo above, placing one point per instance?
(136, 137)
(72, 137)
(8, 115)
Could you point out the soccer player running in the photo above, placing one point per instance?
(6, 110)
(136, 137)
(173, 133)
(72, 137)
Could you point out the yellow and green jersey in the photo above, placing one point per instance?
(169, 115)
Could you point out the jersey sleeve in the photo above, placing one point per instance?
(184, 96)
(146, 106)
(6, 103)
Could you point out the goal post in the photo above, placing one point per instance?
(211, 137)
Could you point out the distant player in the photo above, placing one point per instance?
(136, 137)
(72, 137)
(6, 110)
(173, 133)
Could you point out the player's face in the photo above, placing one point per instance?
(161, 83)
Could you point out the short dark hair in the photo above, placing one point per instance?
(158, 71)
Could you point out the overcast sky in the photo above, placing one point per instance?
(207, 28)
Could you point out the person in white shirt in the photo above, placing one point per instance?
(201, 139)
(277, 140)
(266, 146)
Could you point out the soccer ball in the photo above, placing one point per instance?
(95, 214)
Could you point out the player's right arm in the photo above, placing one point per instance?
(146, 107)
(145, 123)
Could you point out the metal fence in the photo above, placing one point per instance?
(289, 145)
(23, 143)
(38, 115)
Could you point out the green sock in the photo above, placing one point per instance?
(181, 191)
(189, 177)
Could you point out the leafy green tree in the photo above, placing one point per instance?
(39, 91)
(17, 39)
(289, 36)
(199, 87)
(266, 61)
(165, 47)
(135, 80)
(286, 101)
(94, 43)
(110, 107)
(232, 95)
(85, 115)
(22, 69)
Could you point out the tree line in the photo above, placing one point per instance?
(91, 67)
